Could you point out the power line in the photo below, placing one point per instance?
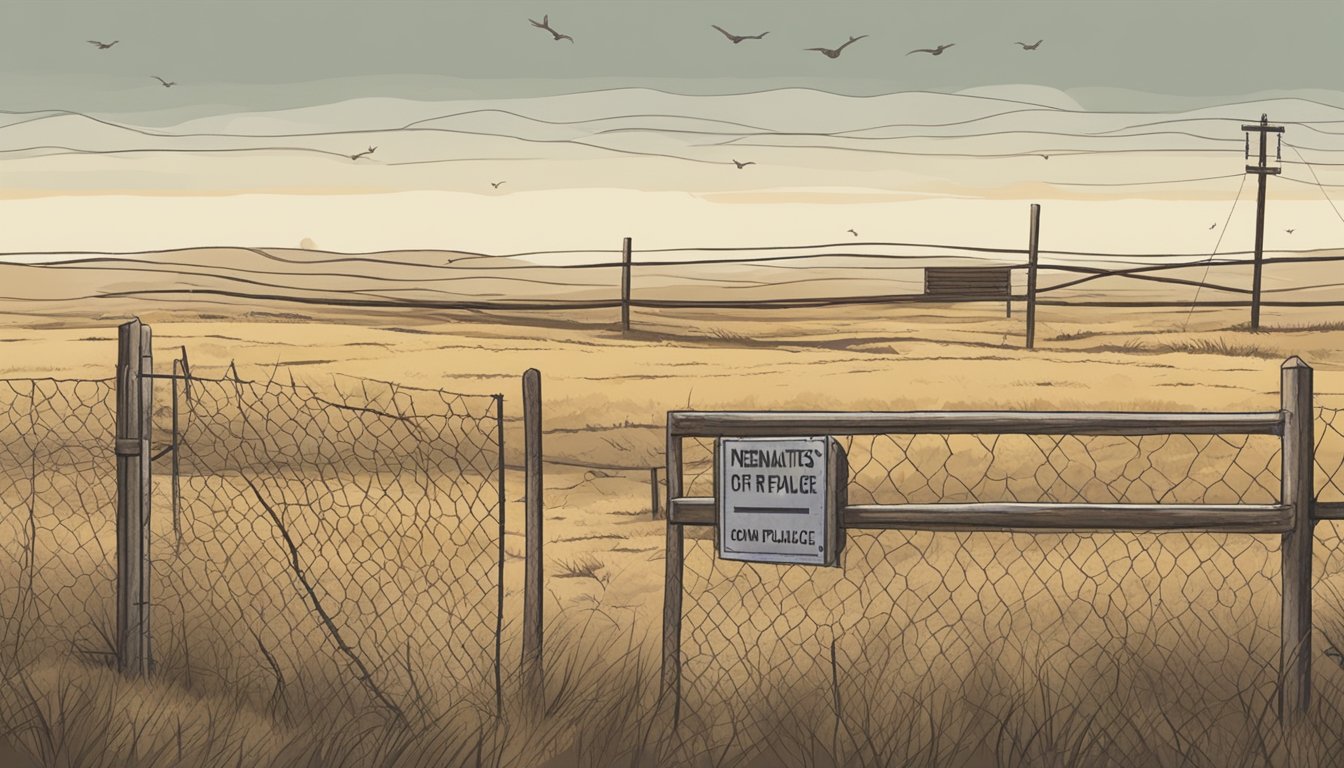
(1216, 245)
(1318, 182)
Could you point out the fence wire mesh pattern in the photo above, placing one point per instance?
(912, 610)
(58, 538)
(350, 536)
(1328, 545)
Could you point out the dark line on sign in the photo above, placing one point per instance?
(731, 551)
(771, 510)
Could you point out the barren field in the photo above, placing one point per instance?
(1010, 598)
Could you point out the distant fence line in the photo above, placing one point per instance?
(626, 290)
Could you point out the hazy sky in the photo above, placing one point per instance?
(1196, 48)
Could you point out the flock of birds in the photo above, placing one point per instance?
(1214, 226)
(830, 53)
(545, 24)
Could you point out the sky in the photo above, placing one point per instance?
(262, 54)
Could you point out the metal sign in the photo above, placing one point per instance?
(779, 499)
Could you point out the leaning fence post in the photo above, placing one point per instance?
(1032, 242)
(1297, 493)
(625, 285)
(673, 565)
(533, 677)
(133, 432)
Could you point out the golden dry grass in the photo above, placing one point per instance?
(981, 670)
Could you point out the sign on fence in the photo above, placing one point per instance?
(779, 499)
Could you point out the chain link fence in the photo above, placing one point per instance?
(1328, 551)
(346, 539)
(58, 535)
(349, 537)
(1191, 617)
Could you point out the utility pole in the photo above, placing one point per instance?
(1262, 170)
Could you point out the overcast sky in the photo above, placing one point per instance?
(1189, 48)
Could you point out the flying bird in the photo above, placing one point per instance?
(740, 166)
(738, 38)
(103, 46)
(1046, 157)
(496, 184)
(166, 84)
(369, 151)
(545, 24)
(1214, 224)
(1031, 47)
(833, 53)
(935, 51)
(1289, 231)
(852, 232)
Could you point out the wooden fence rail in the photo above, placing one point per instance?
(1292, 516)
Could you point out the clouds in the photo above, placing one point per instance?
(1187, 48)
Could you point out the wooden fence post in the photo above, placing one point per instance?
(653, 491)
(1032, 242)
(177, 465)
(133, 432)
(625, 285)
(533, 676)
(672, 581)
(1297, 494)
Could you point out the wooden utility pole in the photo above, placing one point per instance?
(1262, 170)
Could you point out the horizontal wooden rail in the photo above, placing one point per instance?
(1328, 510)
(802, 423)
(1243, 518)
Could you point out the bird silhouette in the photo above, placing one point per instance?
(369, 151)
(1045, 157)
(496, 184)
(1031, 47)
(935, 51)
(832, 53)
(1214, 224)
(1289, 231)
(545, 24)
(740, 166)
(166, 84)
(852, 232)
(103, 46)
(738, 38)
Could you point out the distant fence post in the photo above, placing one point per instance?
(653, 492)
(1297, 495)
(674, 561)
(533, 678)
(133, 433)
(625, 285)
(1032, 242)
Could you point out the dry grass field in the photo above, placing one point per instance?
(931, 649)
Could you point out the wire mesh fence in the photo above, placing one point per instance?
(57, 523)
(1328, 552)
(914, 611)
(349, 537)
